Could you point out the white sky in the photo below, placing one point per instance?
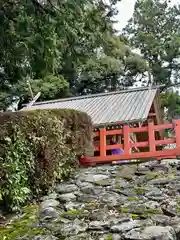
(126, 8)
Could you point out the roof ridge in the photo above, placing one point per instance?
(98, 95)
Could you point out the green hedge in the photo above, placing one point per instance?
(37, 148)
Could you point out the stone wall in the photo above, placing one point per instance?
(111, 203)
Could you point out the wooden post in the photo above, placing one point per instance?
(152, 146)
(102, 142)
(177, 132)
(127, 145)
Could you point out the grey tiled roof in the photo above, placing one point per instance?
(123, 106)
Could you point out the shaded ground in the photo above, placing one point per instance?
(107, 202)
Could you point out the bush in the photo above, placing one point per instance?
(37, 148)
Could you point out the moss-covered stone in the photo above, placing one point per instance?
(75, 213)
(124, 210)
(152, 175)
(104, 182)
(139, 211)
(132, 199)
(178, 209)
(109, 237)
(92, 205)
(127, 177)
(134, 216)
(23, 226)
(141, 190)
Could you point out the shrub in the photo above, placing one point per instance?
(79, 126)
(16, 164)
(38, 147)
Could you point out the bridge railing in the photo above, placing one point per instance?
(128, 145)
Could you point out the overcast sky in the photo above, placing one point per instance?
(126, 8)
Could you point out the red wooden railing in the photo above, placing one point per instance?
(128, 145)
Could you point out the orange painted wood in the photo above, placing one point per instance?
(137, 144)
(177, 132)
(140, 155)
(140, 144)
(139, 129)
(127, 145)
(87, 161)
(152, 154)
(152, 146)
(163, 126)
(102, 132)
(165, 141)
(167, 157)
(109, 147)
(136, 130)
(132, 130)
(114, 132)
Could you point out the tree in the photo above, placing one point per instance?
(154, 29)
(62, 39)
(115, 68)
(171, 101)
(99, 74)
(51, 87)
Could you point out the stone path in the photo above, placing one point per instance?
(113, 203)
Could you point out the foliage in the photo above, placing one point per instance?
(17, 167)
(62, 39)
(133, 65)
(171, 101)
(99, 75)
(154, 29)
(51, 87)
(37, 149)
(5, 100)
(116, 67)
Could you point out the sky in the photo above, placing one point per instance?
(126, 8)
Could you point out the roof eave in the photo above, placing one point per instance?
(101, 125)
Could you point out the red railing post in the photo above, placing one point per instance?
(177, 133)
(102, 135)
(152, 145)
(127, 144)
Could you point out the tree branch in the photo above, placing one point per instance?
(168, 86)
